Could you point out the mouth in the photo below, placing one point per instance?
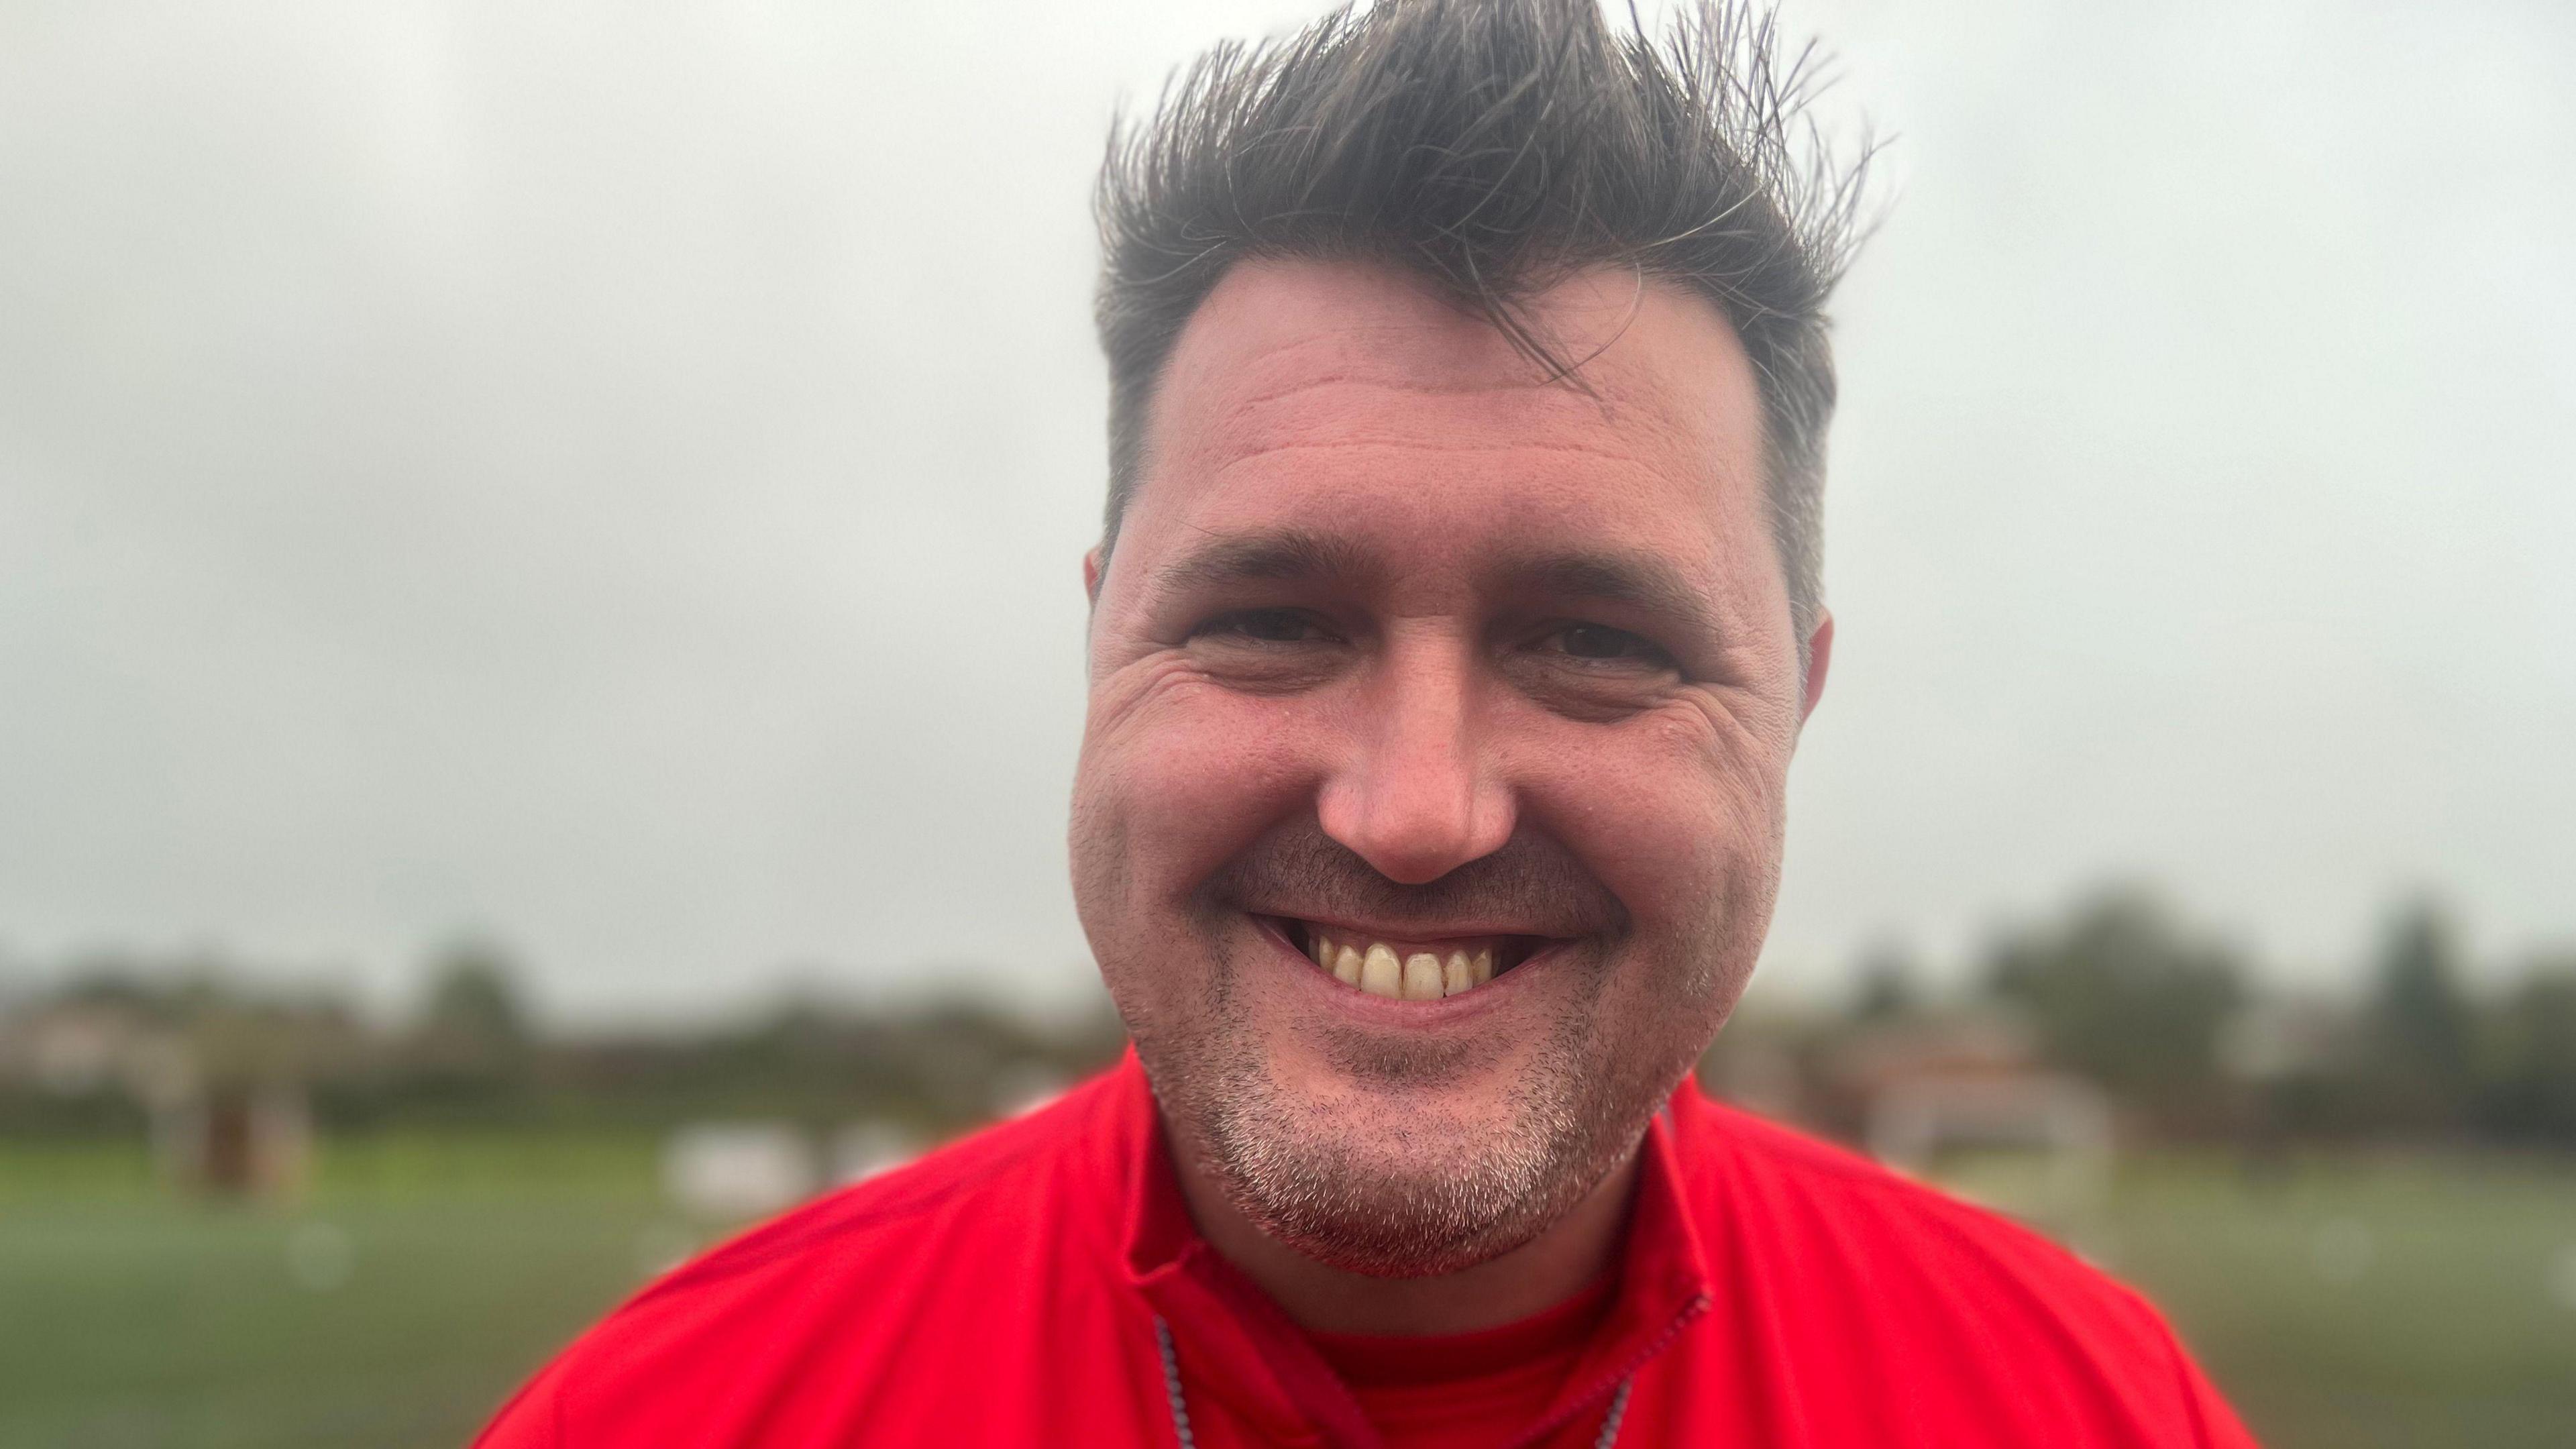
(1407, 967)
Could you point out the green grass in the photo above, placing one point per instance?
(434, 1277)
(437, 1273)
(2354, 1303)
(2359, 1306)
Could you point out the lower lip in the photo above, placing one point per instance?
(1395, 1011)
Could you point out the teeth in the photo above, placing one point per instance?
(1381, 974)
(1414, 976)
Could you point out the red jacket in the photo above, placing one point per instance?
(1005, 1291)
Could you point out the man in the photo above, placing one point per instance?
(1454, 622)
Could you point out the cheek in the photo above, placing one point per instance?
(1681, 823)
(1178, 776)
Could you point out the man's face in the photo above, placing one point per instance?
(1403, 650)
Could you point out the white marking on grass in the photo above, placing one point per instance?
(320, 1257)
(2343, 1250)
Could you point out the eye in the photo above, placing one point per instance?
(1263, 626)
(1267, 650)
(1599, 644)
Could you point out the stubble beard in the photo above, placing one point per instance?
(1433, 1193)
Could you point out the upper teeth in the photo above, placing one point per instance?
(1412, 975)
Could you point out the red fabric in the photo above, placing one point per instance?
(1772, 1292)
(1462, 1391)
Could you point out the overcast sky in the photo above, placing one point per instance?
(613, 478)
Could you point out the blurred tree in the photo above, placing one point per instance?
(474, 996)
(2530, 1093)
(2420, 1058)
(1889, 984)
(471, 1051)
(2122, 994)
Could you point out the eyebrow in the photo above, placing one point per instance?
(1292, 555)
(1279, 555)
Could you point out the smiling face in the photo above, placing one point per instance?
(1428, 819)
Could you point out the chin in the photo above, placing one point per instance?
(1402, 1209)
(1402, 1184)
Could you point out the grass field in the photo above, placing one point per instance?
(2369, 1306)
(420, 1281)
(2348, 1306)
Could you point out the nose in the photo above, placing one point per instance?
(1418, 793)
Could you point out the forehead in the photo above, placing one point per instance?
(1354, 401)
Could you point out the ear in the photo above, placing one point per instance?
(1820, 657)
(1091, 573)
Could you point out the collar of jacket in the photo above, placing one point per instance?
(1240, 1347)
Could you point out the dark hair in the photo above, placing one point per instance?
(1493, 146)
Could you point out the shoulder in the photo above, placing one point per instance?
(1940, 1299)
(1050, 1173)
(846, 1281)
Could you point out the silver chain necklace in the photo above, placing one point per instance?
(1181, 1408)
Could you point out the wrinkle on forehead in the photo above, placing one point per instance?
(1344, 416)
(1314, 356)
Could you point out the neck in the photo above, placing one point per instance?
(1539, 1274)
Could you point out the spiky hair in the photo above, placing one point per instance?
(1493, 147)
